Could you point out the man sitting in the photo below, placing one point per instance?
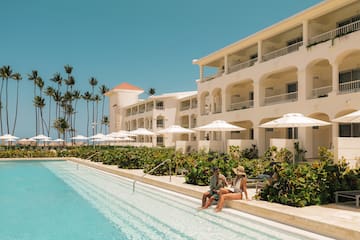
(217, 181)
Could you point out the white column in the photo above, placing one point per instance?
(260, 51)
(226, 64)
(302, 84)
(223, 100)
(201, 72)
(305, 28)
(257, 94)
(335, 79)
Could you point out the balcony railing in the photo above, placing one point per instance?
(338, 32)
(210, 77)
(281, 98)
(185, 107)
(321, 91)
(349, 87)
(241, 105)
(160, 107)
(282, 51)
(242, 65)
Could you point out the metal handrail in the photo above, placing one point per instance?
(162, 163)
(89, 158)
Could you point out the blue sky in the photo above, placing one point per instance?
(149, 44)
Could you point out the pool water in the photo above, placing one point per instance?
(63, 200)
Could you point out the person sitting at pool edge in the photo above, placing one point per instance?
(238, 188)
(217, 181)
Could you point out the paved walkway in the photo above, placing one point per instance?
(340, 221)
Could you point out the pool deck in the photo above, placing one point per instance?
(339, 221)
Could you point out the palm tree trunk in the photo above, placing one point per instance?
(1, 105)
(87, 123)
(7, 108)
(49, 119)
(16, 108)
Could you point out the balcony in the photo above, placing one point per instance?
(281, 98)
(321, 91)
(282, 51)
(242, 65)
(210, 77)
(349, 87)
(241, 105)
(184, 107)
(338, 32)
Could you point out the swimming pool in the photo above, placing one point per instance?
(58, 200)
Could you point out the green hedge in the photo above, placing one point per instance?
(307, 184)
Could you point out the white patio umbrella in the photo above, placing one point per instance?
(120, 134)
(175, 129)
(26, 141)
(219, 126)
(97, 136)
(293, 120)
(353, 117)
(79, 137)
(8, 137)
(41, 137)
(142, 132)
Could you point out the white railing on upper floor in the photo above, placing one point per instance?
(281, 98)
(241, 105)
(210, 77)
(242, 65)
(282, 51)
(321, 91)
(184, 107)
(338, 32)
(349, 87)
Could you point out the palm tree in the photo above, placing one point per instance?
(39, 104)
(76, 97)
(57, 98)
(96, 99)
(103, 89)
(17, 77)
(61, 125)
(105, 121)
(57, 79)
(34, 76)
(49, 91)
(6, 73)
(87, 97)
(68, 69)
(3, 75)
(93, 82)
(151, 91)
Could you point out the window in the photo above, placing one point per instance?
(290, 133)
(349, 130)
(160, 122)
(292, 87)
(159, 141)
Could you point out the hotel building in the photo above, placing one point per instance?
(308, 63)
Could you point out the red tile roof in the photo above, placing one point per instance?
(127, 86)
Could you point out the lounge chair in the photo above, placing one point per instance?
(352, 194)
